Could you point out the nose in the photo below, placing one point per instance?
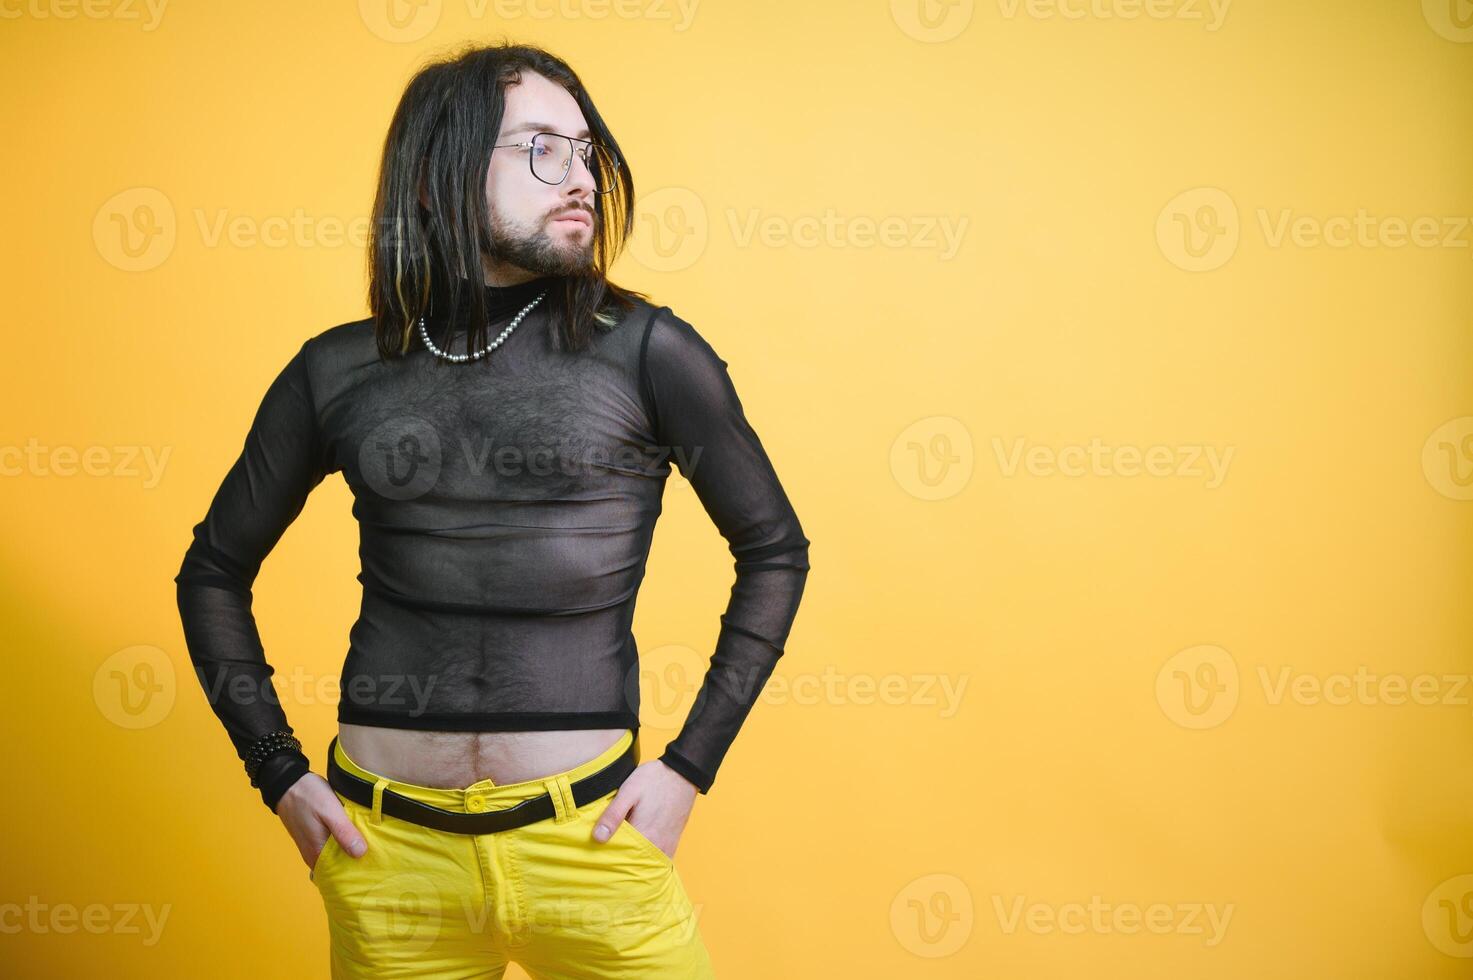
(580, 177)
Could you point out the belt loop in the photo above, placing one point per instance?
(550, 785)
(560, 788)
(378, 800)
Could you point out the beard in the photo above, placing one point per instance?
(533, 249)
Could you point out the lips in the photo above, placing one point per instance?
(580, 216)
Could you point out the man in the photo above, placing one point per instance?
(484, 801)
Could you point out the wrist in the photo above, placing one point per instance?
(683, 767)
(279, 773)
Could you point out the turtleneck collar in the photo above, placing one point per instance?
(502, 302)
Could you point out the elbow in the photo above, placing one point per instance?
(788, 551)
(206, 566)
(796, 543)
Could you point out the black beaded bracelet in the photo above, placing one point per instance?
(266, 746)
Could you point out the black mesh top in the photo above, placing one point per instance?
(505, 510)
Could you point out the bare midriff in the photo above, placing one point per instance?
(455, 760)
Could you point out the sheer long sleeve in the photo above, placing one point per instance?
(264, 491)
(699, 418)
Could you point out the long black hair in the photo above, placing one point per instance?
(442, 134)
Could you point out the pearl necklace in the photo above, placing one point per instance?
(462, 358)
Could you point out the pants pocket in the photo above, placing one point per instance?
(641, 841)
(332, 844)
(322, 855)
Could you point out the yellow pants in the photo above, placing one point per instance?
(546, 896)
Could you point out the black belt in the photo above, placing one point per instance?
(585, 790)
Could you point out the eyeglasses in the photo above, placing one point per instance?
(551, 157)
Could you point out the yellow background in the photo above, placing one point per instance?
(1120, 641)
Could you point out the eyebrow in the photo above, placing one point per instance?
(542, 127)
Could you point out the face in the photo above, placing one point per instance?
(531, 231)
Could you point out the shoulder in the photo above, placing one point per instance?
(318, 361)
(340, 345)
(680, 371)
(339, 339)
(669, 340)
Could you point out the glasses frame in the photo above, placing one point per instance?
(581, 153)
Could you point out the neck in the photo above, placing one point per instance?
(502, 275)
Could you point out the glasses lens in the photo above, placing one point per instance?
(551, 156)
(604, 167)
